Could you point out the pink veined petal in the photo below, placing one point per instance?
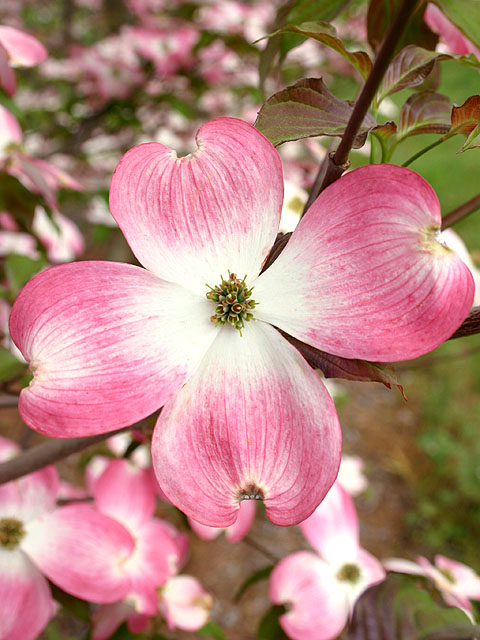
(254, 421)
(23, 49)
(10, 130)
(318, 606)
(125, 493)
(26, 604)
(191, 219)
(363, 275)
(30, 496)
(108, 343)
(332, 529)
(235, 532)
(185, 603)
(244, 522)
(205, 532)
(466, 581)
(82, 551)
(8, 80)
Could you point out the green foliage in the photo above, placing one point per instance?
(10, 366)
(211, 630)
(269, 627)
(465, 14)
(20, 269)
(261, 574)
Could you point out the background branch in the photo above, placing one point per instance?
(460, 212)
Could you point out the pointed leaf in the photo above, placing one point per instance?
(261, 574)
(466, 120)
(409, 68)
(306, 109)
(381, 14)
(269, 627)
(465, 15)
(348, 369)
(211, 630)
(424, 112)
(327, 35)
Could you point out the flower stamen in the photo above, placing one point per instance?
(11, 532)
(233, 302)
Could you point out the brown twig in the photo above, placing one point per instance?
(335, 164)
(47, 453)
(460, 212)
(469, 326)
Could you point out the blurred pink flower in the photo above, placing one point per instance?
(457, 582)
(320, 591)
(235, 532)
(245, 417)
(455, 41)
(185, 604)
(17, 49)
(76, 547)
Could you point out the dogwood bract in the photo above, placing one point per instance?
(244, 416)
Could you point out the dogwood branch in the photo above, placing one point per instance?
(469, 326)
(460, 212)
(336, 163)
(49, 452)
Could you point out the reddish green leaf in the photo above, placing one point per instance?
(307, 109)
(409, 68)
(466, 120)
(381, 14)
(327, 35)
(424, 112)
(345, 368)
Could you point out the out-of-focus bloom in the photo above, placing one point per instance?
(457, 582)
(245, 417)
(76, 547)
(168, 49)
(294, 201)
(351, 476)
(17, 49)
(185, 604)
(453, 38)
(235, 532)
(320, 590)
(59, 235)
(10, 132)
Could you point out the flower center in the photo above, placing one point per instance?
(11, 532)
(349, 573)
(232, 301)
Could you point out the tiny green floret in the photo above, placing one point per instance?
(349, 573)
(233, 304)
(11, 532)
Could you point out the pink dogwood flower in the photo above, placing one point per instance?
(244, 416)
(457, 582)
(17, 49)
(235, 532)
(125, 492)
(76, 547)
(185, 604)
(321, 590)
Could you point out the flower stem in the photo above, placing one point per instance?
(424, 150)
(460, 212)
(469, 326)
(333, 166)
